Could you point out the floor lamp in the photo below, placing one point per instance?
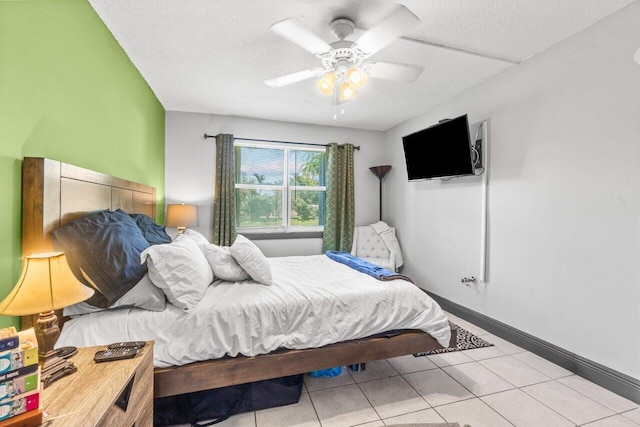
(380, 172)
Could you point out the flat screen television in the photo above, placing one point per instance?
(439, 151)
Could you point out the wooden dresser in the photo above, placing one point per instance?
(96, 394)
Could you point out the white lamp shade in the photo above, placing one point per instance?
(182, 215)
(46, 284)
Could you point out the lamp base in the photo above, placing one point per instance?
(54, 368)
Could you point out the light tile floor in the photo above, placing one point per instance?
(495, 386)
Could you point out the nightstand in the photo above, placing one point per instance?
(117, 393)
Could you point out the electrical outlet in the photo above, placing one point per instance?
(468, 280)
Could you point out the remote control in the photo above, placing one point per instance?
(116, 354)
(124, 344)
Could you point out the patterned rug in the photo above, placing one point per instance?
(466, 341)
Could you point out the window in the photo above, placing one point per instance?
(279, 188)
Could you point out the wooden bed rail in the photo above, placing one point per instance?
(239, 370)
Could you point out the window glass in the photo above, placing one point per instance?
(266, 201)
(263, 166)
(306, 168)
(307, 208)
(259, 208)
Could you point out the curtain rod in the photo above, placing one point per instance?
(357, 147)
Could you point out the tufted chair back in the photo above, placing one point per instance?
(368, 244)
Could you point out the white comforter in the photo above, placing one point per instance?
(313, 301)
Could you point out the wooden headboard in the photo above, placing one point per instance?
(55, 193)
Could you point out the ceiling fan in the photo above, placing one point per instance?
(343, 61)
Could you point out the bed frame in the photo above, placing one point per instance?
(55, 193)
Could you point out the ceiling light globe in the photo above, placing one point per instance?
(356, 78)
(346, 92)
(325, 85)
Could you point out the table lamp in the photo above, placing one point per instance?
(182, 216)
(46, 284)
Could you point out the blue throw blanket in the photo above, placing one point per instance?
(365, 267)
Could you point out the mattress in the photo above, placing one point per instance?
(313, 301)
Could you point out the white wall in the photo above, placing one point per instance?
(564, 198)
(190, 166)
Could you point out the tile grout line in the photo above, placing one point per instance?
(515, 388)
(542, 382)
(314, 406)
(366, 397)
(589, 397)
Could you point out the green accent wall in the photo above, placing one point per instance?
(68, 92)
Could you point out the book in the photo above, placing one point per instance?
(25, 370)
(17, 358)
(20, 404)
(9, 338)
(25, 354)
(19, 385)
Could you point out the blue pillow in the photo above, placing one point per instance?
(152, 232)
(106, 245)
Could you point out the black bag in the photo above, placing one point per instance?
(203, 408)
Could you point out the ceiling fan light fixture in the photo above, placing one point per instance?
(346, 92)
(356, 78)
(326, 83)
(342, 60)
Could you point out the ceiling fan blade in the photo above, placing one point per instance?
(294, 31)
(386, 30)
(296, 77)
(392, 71)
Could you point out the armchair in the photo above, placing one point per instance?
(377, 243)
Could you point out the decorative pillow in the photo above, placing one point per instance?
(251, 259)
(195, 236)
(107, 246)
(152, 232)
(223, 264)
(180, 270)
(143, 295)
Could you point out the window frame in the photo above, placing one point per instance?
(286, 230)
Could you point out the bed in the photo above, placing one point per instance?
(56, 193)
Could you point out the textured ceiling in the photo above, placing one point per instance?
(211, 56)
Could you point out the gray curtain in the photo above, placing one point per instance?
(340, 204)
(224, 201)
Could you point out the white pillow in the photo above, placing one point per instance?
(143, 295)
(193, 235)
(252, 260)
(180, 270)
(223, 264)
